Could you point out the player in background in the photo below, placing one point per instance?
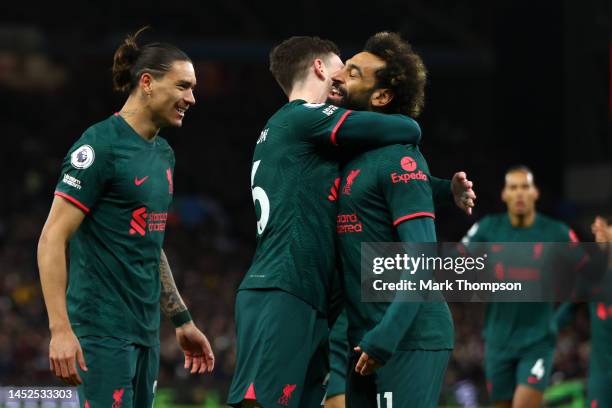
(519, 342)
(386, 196)
(111, 205)
(599, 385)
(282, 306)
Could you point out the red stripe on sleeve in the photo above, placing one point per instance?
(333, 133)
(411, 216)
(72, 200)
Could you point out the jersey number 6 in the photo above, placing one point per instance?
(260, 195)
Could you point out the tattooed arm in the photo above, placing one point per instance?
(199, 357)
(170, 301)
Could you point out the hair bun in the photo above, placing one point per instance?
(124, 59)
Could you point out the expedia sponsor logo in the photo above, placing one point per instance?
(348, 223)
(407, 177)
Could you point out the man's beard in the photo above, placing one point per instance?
(359, 103)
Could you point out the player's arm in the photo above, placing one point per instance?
(564, 314)
(382, 341)
(330, 125)
(588, 267)
(64, 349)
(196, 347)
(85, 171)
(368, 130)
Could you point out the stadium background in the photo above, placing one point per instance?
(509, 82)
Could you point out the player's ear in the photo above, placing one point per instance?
(381, 97)
(536, 193)
(319, 68)
(146, 81)
(504, 196)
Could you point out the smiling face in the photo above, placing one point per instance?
(171, 95)
(355, 85)
(520, 193)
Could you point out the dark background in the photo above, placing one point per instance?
(509, 82)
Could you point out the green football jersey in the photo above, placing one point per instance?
(294, 185)
(516, 325)
(124, 185)
(380, 190)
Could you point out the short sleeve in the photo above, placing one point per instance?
(320, 122)
(86, 170)
(405, 183)
(331, 125)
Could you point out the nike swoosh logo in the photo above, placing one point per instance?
(139, 182)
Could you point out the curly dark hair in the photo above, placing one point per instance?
(289, 61)
(404, 73)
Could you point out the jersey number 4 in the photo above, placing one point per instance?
(260, 195)
(538, 369)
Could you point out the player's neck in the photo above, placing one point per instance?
(522, 220)
(139, 118)
(311, 91)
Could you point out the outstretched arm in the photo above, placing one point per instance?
(198, 353)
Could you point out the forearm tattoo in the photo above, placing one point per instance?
(170, 299)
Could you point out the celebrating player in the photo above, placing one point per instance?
(386, 196)
(599, 384)
(283, 301)
(519, 343)
(111, 203)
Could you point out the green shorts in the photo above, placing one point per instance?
(338, 356)
(410, 379)
(282, 351)
(505, 369)
(120, 373)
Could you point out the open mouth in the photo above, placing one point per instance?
(336, 91)
(337, 94)
(181, 111)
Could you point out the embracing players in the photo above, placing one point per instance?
(282, 307)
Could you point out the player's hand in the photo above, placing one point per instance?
(64, 352)
(366, 364)
(463, 193)
(199, 356)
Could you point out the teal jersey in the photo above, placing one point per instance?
(519, 324)
(380, 191)
(294, 185)
(124, 185)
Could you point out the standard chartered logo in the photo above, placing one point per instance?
(264, 203)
